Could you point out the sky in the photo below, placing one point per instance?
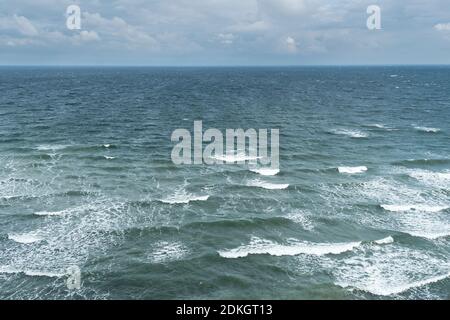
(224, 32)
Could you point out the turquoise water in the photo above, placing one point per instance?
(86, 180)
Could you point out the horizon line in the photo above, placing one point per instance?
(224, 66)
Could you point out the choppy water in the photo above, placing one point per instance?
(86, 179)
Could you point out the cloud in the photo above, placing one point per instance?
(87, 36)
(117, 29)
(442, 27)
(227, 31)
(251, 27)
(19, 25)
(291, 45)
(25, 26)
(226, 38)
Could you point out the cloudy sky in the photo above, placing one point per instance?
(224, 32)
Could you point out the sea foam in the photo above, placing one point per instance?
(427, 129)
(25, 238)
(350, 133)
(183, 199)
(352, 170)
(267, 185)
(259, 246)
(407, 207)
(265, 171)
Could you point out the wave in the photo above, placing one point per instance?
(410, 162)
(421, 208)
(183, 199)
(265, 171)
(301, 218)
(431, 178)
(31, 273)
(350, 133)
(109, 158)
(415, 284)
(49, 147)
(267, 185)
(429, 235)
(427, 129)
(387, 240)
(259, 246)
(395, 290)
(381, 127)
(67, 211)
(352, 170)
(168, 251)
(26, 238)
(377, 125)
(53, 213)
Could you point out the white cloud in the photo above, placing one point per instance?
(291, 45)
(229, 31)
(226, 38)
(18, 24)
(86, 36)
(285, 7)
(117, 29)
(25, 26)
(250, 27)
(442, 27)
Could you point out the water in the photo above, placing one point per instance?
(86, 180)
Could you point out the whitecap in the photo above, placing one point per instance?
(183, 199)
(381, 126)
(165, 251)
(267, 185)
(25, 238)
(352, 170)
(47, 213)
(109, 158)
(427, 129)
(301, 218)
(429, 235)
(387, 290)
(48, 147)
(387, 240)
(377, 125)
(407, 207)
(31, 273)
(350, 133)
(388, 270)
(431, 178)
(259, 246)
(265, 171)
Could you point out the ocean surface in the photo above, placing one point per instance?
(359, 210)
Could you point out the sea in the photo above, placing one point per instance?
(359, 209)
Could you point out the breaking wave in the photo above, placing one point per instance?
(352, 170)
(259, 246)
(265, 171)
(427, 129)
(350, 133)
(407, 207)
(267, 185)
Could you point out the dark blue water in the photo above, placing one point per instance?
(86, 180)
